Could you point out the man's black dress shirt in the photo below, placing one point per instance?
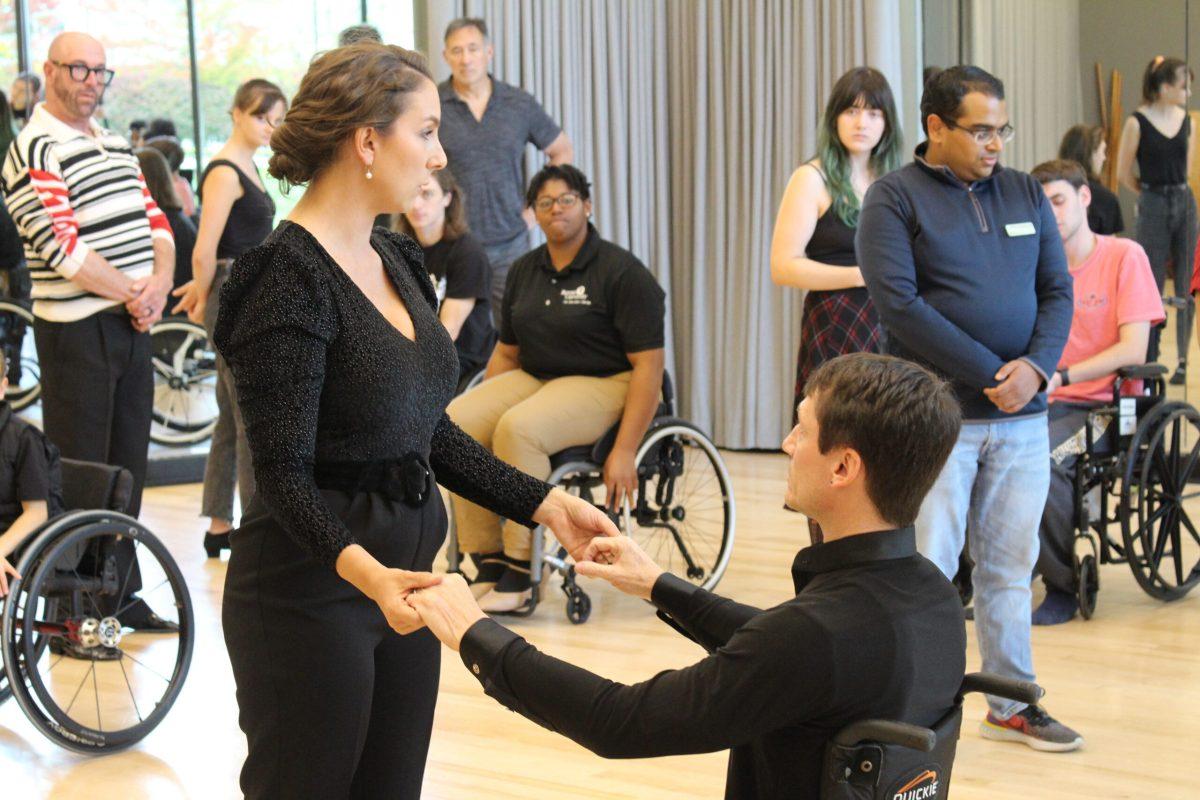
(875, 631)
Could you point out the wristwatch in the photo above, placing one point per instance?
(1062, 376)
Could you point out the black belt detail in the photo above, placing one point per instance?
(408, 479)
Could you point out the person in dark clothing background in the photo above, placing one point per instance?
(1085, 145)
(459, 267)
(157, 173)
(875, 629)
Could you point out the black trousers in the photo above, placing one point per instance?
(97, 399)
(98, 392)
(334, 704)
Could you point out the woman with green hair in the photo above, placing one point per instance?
(813, 246)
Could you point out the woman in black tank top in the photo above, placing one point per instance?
(813, 244)
(236, 215)
(1158, 136)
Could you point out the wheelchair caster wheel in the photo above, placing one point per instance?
(1088, 586)
(579, 607)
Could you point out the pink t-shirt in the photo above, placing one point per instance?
(1113, 287)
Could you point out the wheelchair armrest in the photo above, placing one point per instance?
(885, 731)
(1142, 372)
(1022, 691)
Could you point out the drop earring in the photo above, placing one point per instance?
(369, 175)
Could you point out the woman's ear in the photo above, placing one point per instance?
(365, 141)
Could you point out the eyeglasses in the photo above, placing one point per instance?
(984, 135)
(80, 72)
(566, 200)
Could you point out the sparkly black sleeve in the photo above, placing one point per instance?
(274, 326)
(468, 469)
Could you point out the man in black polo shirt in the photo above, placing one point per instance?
(875, 629)
(485, 126)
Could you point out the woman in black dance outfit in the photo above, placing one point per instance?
(343, 372)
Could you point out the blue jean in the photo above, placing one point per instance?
(994, 484)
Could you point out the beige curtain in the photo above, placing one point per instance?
(689, 116)
(1033, 46)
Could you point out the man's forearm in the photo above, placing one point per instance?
(99, 277)
(164, 260)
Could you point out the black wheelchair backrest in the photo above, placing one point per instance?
(90, 486)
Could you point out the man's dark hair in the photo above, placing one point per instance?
(944, 92)
(466, 22)
(899, 417)
(1060, 169)
(162, 127)
(359, 33)
(572, 176)
(137, 125)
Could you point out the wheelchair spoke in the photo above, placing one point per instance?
(79, 688)
(96, 690)
(143, 665)
(1187, 521)
(129, 686)
(1176, 452)
(128, 573)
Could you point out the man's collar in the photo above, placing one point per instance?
(852, 551)
(585, 256)
(944, 173)
(58, 129)
(6, 413)
(447, 91)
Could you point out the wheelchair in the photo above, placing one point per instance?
(88, 682)
(684, 517)
(185, 383)
(1138, 468)
(185, 374)
(885, 760)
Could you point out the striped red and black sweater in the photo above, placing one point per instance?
(70, 193)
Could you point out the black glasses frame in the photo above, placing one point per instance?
(80, 72)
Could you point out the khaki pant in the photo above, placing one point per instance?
(523, 421)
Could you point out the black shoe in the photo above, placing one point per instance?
(141, 618)
(214, 543)
(489, 567)
(1180, 376)
(68, 649)
(1057, 608)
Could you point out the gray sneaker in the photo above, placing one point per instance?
(1034, 727)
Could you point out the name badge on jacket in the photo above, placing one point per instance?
(1020, 229)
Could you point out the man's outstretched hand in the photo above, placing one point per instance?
(622, 563)
(447, 609)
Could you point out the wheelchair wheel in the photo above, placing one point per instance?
(684, 517)
(1162, 543)
(185, 383)
(85, 677)
(20, 350)
(1087, 586)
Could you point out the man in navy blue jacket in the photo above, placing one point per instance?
(966, 268)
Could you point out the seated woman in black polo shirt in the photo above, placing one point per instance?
(581, 347)
(459, 268)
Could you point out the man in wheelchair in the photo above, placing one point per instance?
(1116, 303)
(30, 480)
(581, 348)
(875, 629)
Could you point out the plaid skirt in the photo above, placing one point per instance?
(834, 323)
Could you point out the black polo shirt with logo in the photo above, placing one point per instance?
(875, 631)
(583, 319)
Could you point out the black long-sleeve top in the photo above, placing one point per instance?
(322, 376)
(875, 631)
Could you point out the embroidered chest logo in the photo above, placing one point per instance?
(575, 297)
(1091, 301)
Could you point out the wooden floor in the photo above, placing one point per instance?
(1129, 680)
